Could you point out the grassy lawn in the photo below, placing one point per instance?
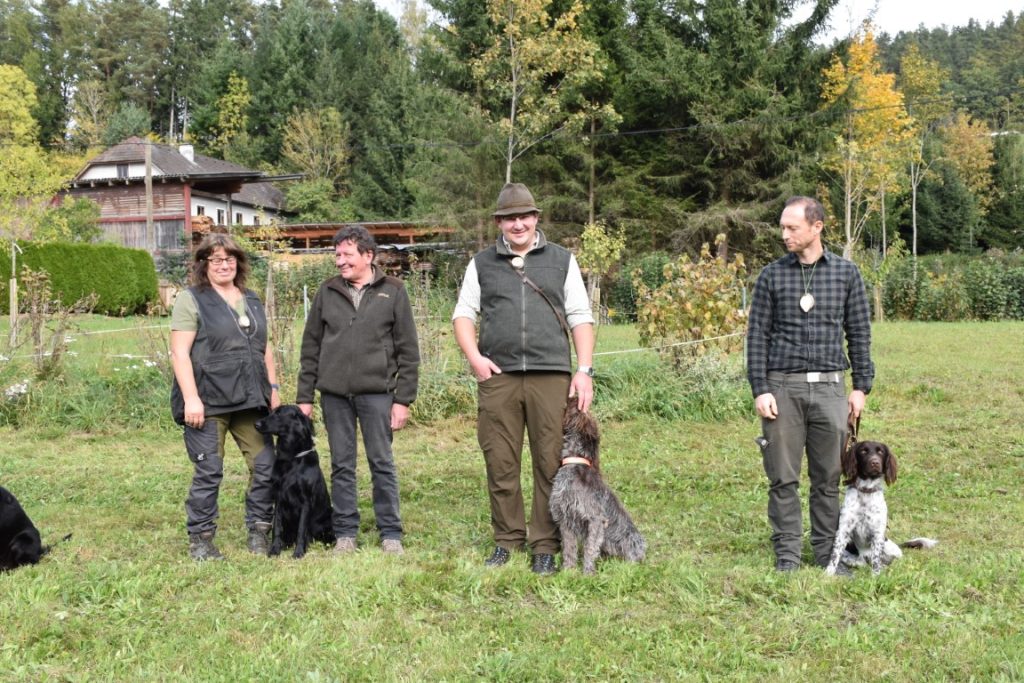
(121, 601)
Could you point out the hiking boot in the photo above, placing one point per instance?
(259, 538)
(344, 545)
(544, 564)
(787, 566)
(392, 546)
(498, 557)
(201, 547)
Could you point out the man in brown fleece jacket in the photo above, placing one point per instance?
(360, 351)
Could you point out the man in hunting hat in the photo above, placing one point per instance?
(529, 298)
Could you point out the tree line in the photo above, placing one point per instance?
(670, 121)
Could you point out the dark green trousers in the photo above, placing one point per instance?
(508, 403)
(812, 417)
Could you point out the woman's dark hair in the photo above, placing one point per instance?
(210, 244)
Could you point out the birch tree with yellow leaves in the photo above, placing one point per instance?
(921, 81)
(534, 72)
(874, 138)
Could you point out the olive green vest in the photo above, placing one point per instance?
(519, 331)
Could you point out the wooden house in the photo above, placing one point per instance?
(150, 201)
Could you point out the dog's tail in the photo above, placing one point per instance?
(920, 542)
(48, 548)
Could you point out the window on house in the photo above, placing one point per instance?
(255, 220)
(220, 216)
(200, 210)
(238, 219)
(122, 170)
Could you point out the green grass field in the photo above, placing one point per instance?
(121, 601)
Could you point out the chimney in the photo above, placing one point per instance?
(187, 152)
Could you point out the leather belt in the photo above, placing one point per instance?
(809, 377)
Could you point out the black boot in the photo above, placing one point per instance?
(201, 547)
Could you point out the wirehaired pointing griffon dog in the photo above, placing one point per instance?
(302, 506)
(867, 467)
(20, 543)
(583, 506)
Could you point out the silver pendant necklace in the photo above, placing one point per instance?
(807, 300)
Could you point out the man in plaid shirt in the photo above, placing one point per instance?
(804, 305)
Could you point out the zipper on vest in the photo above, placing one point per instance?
(522, 322)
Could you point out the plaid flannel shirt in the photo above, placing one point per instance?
(781, 337)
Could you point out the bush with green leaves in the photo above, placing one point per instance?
(123, 280)
(956, 287)
(988, 289)
(942, 297)
(650, 269)
(699, 307)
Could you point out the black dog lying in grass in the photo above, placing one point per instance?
(302, 506)
(20, 543)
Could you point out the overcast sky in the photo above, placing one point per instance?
(892, 16)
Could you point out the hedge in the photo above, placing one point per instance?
(951, 287)
(124, 279)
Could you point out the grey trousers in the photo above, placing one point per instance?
(373, 411)
(812, 417)
(205, 449)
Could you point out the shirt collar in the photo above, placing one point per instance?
(791, 258)
(538, 241)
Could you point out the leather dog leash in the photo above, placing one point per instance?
(852, 429)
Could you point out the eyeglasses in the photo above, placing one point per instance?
(230, 260)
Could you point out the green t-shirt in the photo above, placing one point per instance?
(185, 315)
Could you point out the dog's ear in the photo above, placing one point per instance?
(890, 467)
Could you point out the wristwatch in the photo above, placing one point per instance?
(586, 370)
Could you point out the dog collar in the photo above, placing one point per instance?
(573, 460)
(299, 455)
(869, 489)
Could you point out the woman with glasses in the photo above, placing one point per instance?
(224, 381)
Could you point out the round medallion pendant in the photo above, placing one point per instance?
(243, 319)
(518, 262)
(807, 302)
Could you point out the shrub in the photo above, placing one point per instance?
(942, 298)
(123, 280)
(987, 289)
(900, 292)
(650, 269)
(700, 301)
(1015, 283)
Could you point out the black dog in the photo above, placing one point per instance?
(20, 543)
(302, 506)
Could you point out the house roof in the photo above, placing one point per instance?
(169, 160)
(263, 195)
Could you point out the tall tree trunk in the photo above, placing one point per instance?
(882, 192)
(593, 163)
(913, 226)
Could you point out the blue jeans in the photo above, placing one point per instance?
(373, 411)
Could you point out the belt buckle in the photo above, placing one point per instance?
(813, 376)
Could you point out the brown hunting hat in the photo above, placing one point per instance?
(515, 199)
